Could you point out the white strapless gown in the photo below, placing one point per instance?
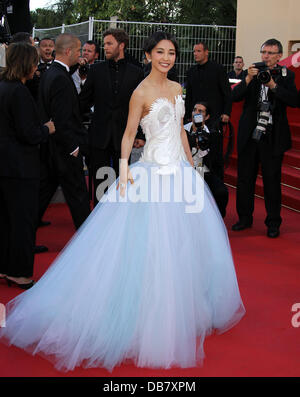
(145, 278)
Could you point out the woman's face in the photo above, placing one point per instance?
(163, 56)
(33, 70)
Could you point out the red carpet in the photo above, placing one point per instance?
(264, 343)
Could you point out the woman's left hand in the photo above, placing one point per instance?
(123, 182)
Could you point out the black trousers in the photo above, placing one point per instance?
(219, 191)
(248, 165)
(18, 219)
(66, 171)
(104, 167)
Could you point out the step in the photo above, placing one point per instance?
(293, 114)
(290, 195)
(295, 129)
(230, 176)
(292, 158)
(296, 142)
(233, 160)
(291, 176)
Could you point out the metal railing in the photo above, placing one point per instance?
(220, 39)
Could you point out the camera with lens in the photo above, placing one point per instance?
(83, 69)
(265, 74)
(201, 138)
(5, 8)
(264, 120)
(5, 37)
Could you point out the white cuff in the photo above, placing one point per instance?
(74, 151)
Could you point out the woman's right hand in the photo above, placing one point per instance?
(51, 127)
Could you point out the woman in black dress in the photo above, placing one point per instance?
(20, 135)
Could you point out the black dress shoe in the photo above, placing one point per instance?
(38, 249)
(44, 223)
(273, 232)
(23, 286)
(240, 226)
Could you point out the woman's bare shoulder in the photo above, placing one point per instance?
(176, 87)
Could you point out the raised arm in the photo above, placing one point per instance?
(186, 145)
(136, 107)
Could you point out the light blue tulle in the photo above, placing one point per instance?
(145, 281)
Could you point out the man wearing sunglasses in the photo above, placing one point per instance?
(263, 136)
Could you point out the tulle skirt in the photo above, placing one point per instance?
(145, 279)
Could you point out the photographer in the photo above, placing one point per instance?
(90, 53)
(263, 134)
(202, 144)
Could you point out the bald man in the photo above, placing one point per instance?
(58, 101)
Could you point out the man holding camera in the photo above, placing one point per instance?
(207, 81)
(90, 53)
(263, 135)
(203, 147)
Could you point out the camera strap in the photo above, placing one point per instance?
(264, 93)
(264, 98)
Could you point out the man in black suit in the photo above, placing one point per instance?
(207, 81)
(263, 136)
(58, 101)
(108, 87)
(46, 48)
(238, 72)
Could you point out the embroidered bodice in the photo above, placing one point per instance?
(162, 127)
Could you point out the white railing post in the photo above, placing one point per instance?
(91, 28)
(63, 28)
(113, 22)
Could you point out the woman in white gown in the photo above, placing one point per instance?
(150, 273)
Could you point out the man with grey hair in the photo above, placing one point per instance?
(263, 135)
(59, 102)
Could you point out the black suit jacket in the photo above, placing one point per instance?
(285, 95)
(20, 132)
(209, 83)
(241, 76)
(58, 100)
(109, 118)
